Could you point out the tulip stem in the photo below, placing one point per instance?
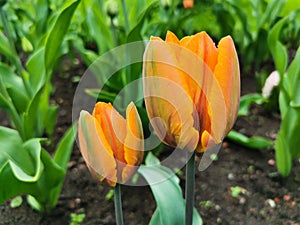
(189, 188)
(118, 204)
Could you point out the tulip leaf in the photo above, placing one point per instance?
(273, 9)
(101, 95)
(283, 156)
(64, 148)
(289, 129)
(135, 33)
(56, 35)
(25, 168)
(151, 160)
(5, 48)
(254, 142)
(14, 87)
(62, 157)
(292, 79)
(23, 162)
(36, 69)
(278, 51)
(167, 193)
(97, 26)
(246, 102)
(32, 123)
(50, 118)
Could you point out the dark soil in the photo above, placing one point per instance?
(264, 199)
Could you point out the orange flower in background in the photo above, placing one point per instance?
(193, 87)
(111, 146)
(188, 4)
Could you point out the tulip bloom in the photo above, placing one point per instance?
(191, 89)
(111, 146)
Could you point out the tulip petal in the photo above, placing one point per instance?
(207, 142)
(203, 46)
(113, 126)
(228, 75)
(212, 109)
(166, 91)
(133, 144)
(170, 110)
(95, 149)
(171, 38)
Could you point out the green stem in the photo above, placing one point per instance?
(126, 20)
(118, 205)
(189, 188)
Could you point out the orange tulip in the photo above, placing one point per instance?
(111, 146)
(188, 4)
(191, 89)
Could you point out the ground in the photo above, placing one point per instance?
(240, 188)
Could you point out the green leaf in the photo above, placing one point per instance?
(151, 160)
(167, 194)
(97, 25)
(283, 157)
(50, 119)
(247, 100)
(25, 168)
(22, 158)
(135, 33)
(62, 157)
(134, 71)
(273, 9)
(14, 88)
(35, 66)
(292, 79)
(254, 142)
(289, 130)
(289, 6)
(32, 117)
(65, 146)
(56, 35)
(284, 102)
(101, 95)
(155, 219)
(5, 48)
(16, 202)
(278, 51)
(41, 11)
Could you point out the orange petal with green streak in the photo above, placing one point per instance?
(203, 46)
(95, 149)
(168, 84)
(113, 126)
(134, 142)
(228, 75)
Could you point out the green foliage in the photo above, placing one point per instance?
(167, 194)
(254, 142)
(16, 202)
(77, 219)
(247, 100)
(26, 168)
(287, 143)
(57, 33)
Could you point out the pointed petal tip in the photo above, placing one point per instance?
(154, 38)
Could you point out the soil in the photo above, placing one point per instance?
(264, 198)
